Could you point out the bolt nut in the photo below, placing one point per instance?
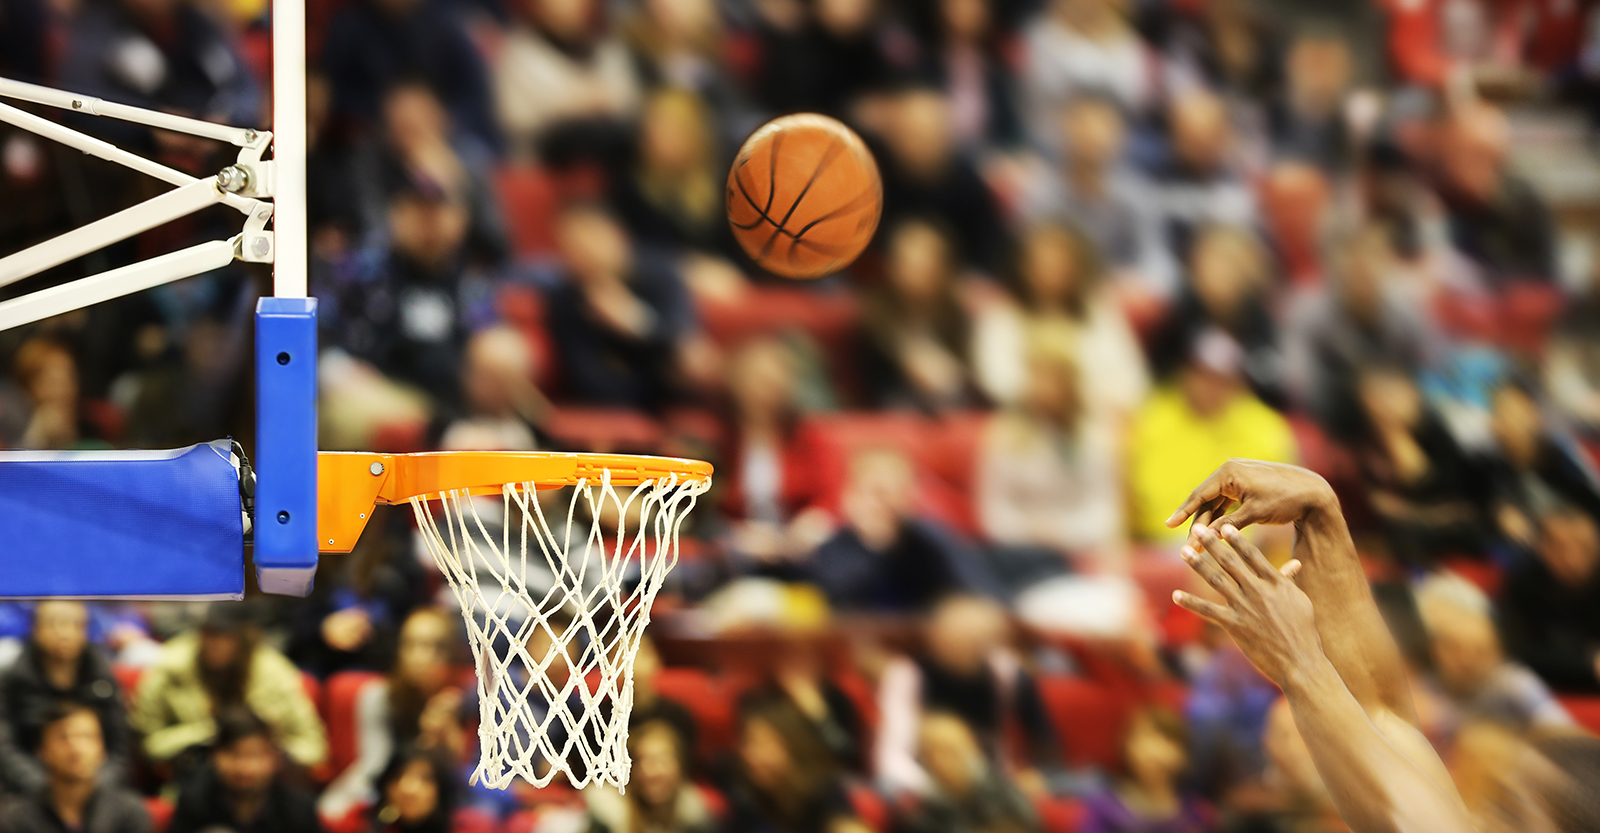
(260, 247)
(77, 104)
(376, 469)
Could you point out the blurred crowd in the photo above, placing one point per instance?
(1122, 241)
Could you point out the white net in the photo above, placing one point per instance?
(554, 623)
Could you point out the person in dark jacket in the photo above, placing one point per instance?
(1550, 606)
(1532, 473)
(242, 788)
(74, 800)
(784, 779)
(886, 558)
(619, 321)
(58, 663)
(417, 793)
(375, 43)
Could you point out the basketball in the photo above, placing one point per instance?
(804, 196)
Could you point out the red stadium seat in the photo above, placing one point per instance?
(870, 807)
(128, 677)
(340, 715)
(604, 430)
(712, 702)
(472, 820)
(160, 811)
(530, 198)
(827, 318)
(941, 450)
(1059, 815)
(1088, 717)
(1585, 710)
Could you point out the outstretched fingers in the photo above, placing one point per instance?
(1208, 568)
(1223, 553)
(1207, 492)
(1248, 551)
(1210, 611)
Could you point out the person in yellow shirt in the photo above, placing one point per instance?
(1193, 424)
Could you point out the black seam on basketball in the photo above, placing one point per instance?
(828, 156)
(761, 215)
(860, 200)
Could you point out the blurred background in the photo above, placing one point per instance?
(1123, 241)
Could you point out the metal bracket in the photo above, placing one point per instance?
(255, 244)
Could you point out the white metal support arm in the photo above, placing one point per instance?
(244, 186)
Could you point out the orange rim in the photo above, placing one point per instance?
(349, 484)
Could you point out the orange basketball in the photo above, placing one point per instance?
(804, 196)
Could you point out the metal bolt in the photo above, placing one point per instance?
(77, 104)
(263, 214)
(363, 516)
(233, 179)
(376, 469)
(260, 247)
(249, 135)
(283, 517)
(330, 541)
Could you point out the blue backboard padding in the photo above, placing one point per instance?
(285, 532)
(121, 524)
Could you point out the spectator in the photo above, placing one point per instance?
(165, 55)
(651, 707)
(1477, 681)
(1226, 45)
(1078, 46)
(1496, 219)
(419, 793)
(619, 322)
(818, 55)
(968, 792)
(74, 798)
(660, 797)
(48, 376)
(1197, 183)
(1061, 297)
(1226, 711)
(1295, 800)
(58, 663)
(1100, 194)
(1308, 122)
(783, 777)
(242, 788)
(504, 409)
(416, 706)
(776, 467)
(1228, 291)
(373, 44)
(1531, 473)
(1049, 473)
(1361, 319)
(799, 675)
(1551, 604)
(671, 196)
(1419, 483)
(925, 175)
(678, 44)
(222, 664)
(417, 147)
(1572, 360)
(561, 78)
(887, 556)
(1148, 798)
(1296, 204)
(1191, 426)
(963, 56)
(968, 671)
(401, 308)
(915, 333)
(352, 619)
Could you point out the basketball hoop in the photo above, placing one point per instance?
(554, 662)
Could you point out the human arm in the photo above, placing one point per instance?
(1352, 631)
(1381, 774)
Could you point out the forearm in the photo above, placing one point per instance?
(1376, 787)
(1353, 633)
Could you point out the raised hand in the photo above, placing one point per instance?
(1265, 493)
(1269, 617)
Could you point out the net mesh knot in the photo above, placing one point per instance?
(555, 664)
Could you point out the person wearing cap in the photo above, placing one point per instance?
(223, 663)
(1204, 415)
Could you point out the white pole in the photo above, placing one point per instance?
(116, 283)
(289, 147)
(158, 210)
(110, 109)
